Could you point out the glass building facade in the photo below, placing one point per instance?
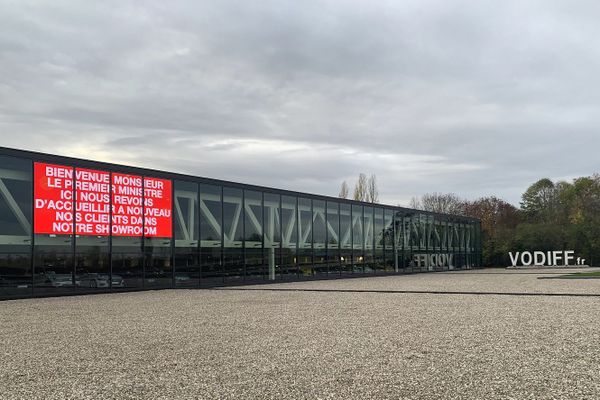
(77, 226)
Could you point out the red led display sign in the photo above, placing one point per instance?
(140, 205)
(157, 208)
(127, 200)
(53, 194)
(92, 202)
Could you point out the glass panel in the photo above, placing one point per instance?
(346, 238)
(233, 234)
(357, 238)
(388, 239)
(158, 233)
(253, 235)
(53, 253)
(158, 267)
(53, 272)
(16, 278)
(437, 237)
(186, 215)
(187, 268)
(187, 234)
(289, 235)
(443, 235)
(211, 217)
(15, 226)
(402, 226)
(319, 237)
(126, 270)
(92, 263)
(92, 215)
(333, 237)
(423, 223)
(431, 233)
(127, 226)
(305, 232)
(15, 204)
(368, 239)
(272, 233)
(379, 228)
(379, 263)
(127, 267)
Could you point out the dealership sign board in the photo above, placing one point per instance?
(545, 258)
(97, 202)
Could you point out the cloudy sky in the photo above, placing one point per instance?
(471, 97)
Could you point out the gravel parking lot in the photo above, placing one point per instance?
(328, 343)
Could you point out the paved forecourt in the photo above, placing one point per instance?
(352, 338)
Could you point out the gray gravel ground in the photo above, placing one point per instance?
(222, 344)
(493, 280)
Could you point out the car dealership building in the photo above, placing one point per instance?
(76, 226)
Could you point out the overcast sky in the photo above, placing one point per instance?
(471, 97)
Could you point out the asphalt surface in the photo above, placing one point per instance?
(288, 344)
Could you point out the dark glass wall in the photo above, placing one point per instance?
(379, 260)
(346, 239)
(53, 254)
(357, 239)
(211, 235)
(368, 242)
(305, 237)
(333, 238)
(289, 236)
(16, 204)
(253, 236)
(186, 232)
(221, 234)
(233, 234)
(319, 219)
(272, 234)
(391, 264)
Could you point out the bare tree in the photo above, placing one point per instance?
(446, 203)
(372, 190)
(344, 191)
(360, 190)
(415, 203)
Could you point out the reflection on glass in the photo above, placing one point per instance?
(92, 263)
(368, 240)
(391, 260)
(233, 234)
(217, 235)
(158, 267)
(272, 234)
(346, 238)
(211, 234)
(53, 256)
(333, 238)
(253, 235)
(187, 232)
(379, 263)
(289, 237)
(357, 239)
(319, 237)
(15, 226)
(305, 234)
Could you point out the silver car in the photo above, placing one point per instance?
(99, 280)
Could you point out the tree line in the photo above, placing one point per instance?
(552, 216)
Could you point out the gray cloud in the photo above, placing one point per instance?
(475, 98)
